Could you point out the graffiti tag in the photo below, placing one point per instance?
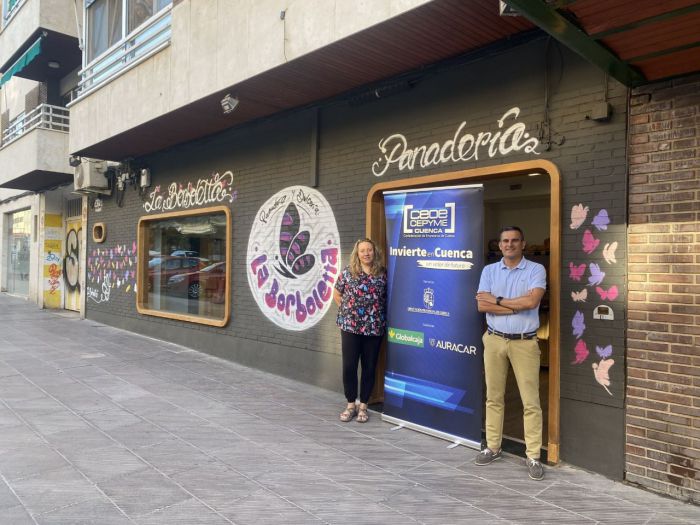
(97, 296)
(54, 275)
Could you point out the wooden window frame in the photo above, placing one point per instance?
(141, 264)
(375, 229)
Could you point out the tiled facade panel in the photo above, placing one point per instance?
(663, 337)
(270, 155)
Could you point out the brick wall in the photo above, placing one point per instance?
(663, 385)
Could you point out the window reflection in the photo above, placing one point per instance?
(186, 265)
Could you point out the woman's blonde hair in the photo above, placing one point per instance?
(355, 265)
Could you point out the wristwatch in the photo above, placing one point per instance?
(498, 301)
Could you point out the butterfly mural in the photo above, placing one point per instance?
(293, 261)
(576, 272)
(590, 243)
(601, 373)
(578, 216)
(580, 297)
(581, 352)
(578, 324)
(609, 252)
(607, 295)
(601, 220)
(604, 352)
(597, 275)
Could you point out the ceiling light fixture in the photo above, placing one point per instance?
(54, 65)
(229, 103)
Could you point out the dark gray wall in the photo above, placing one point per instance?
(269, 156)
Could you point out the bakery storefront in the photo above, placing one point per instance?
(233, 242)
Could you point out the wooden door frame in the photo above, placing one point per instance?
(375, 229)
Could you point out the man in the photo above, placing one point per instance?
(509, 293)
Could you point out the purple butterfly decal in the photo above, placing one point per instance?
(581, 351)
(293, 261)
(597, 275)
(578, 324)
(601, 220)
(604, 352)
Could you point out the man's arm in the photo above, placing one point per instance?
(486, 302)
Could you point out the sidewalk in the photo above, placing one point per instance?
(99, 426)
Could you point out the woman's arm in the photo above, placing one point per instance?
(337, 298)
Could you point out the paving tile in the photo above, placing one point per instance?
(29, 459)
(264, 508)
(188, 512)
(173, 456)
(17, 515)
(143, 492)
(7, 497)
(54, 489)
(217, 485)
(111, 418)
(91, 512)
(103, 463)
(139, 434)
(50, 423)
(74, 443)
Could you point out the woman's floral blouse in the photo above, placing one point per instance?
(363, 305)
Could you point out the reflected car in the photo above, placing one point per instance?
(164, 267)
(209, 282)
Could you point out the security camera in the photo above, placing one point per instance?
(74, 161)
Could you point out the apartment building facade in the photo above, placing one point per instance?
(207, 131)
(41, 219)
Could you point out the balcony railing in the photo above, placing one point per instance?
(43, 116)
(139, 45)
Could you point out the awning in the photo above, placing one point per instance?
(22, 61)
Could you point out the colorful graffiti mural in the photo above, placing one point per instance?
(52, 267)
(589, 245)
(111, 269)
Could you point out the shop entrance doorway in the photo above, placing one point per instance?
(17, 249)
(526, 194)
(72, 268)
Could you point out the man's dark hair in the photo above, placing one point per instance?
(511, 229)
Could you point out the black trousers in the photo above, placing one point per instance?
(362, 349)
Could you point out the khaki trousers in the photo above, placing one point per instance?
(524, 357)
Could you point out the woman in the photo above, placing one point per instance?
(360, 293)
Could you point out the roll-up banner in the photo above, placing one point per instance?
(433, 378)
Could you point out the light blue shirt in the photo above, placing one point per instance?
(508, 283)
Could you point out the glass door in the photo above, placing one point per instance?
(19, 237)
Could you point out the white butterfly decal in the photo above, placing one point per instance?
(600, 371)
(580, 297)
(609, 252)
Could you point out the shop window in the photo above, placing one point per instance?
(184, 265)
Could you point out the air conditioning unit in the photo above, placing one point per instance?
(90, 177)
